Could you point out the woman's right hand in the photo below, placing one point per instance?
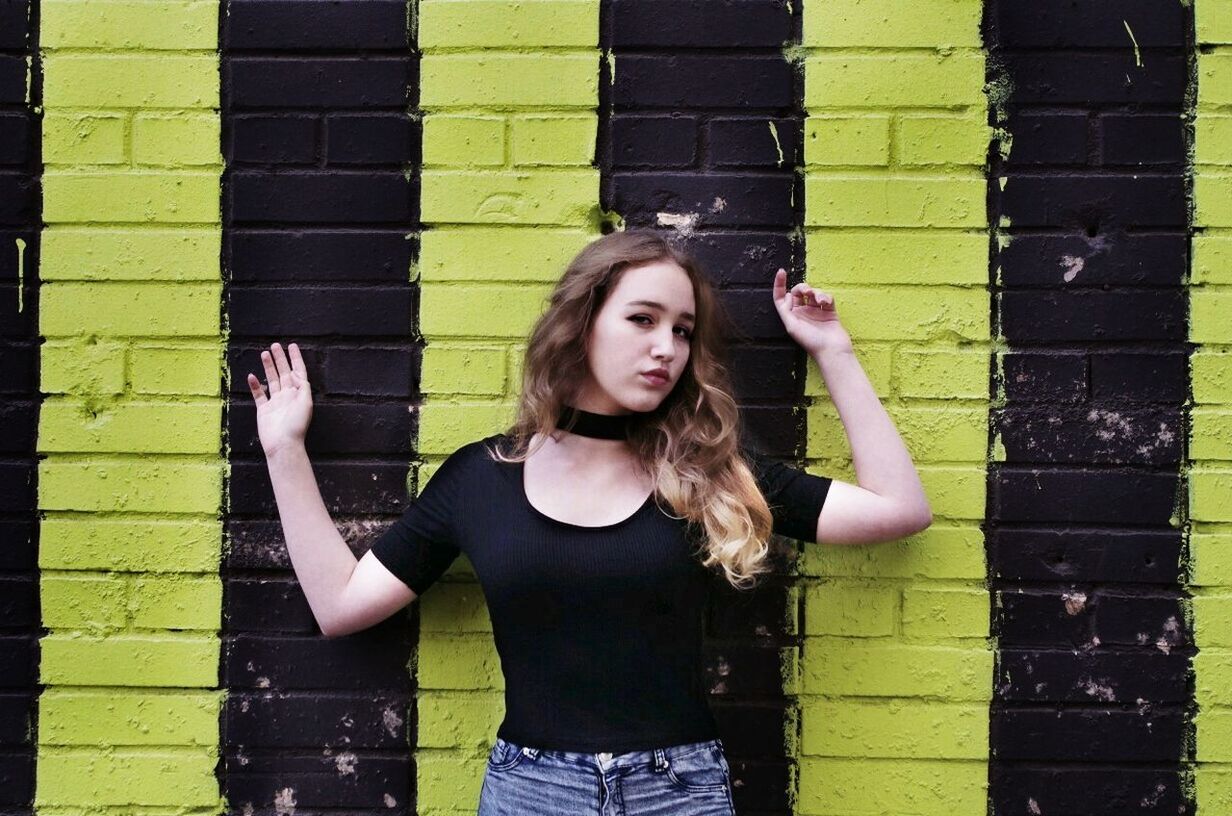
(283, 415)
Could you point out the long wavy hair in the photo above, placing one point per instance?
(690, 444)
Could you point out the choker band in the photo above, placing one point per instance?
(596, 426)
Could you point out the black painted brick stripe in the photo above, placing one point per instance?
(317, 214)
(684, 130)
(20, 221)
(1092, 700)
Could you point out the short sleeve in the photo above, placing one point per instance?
(420, 545)
(795, 496)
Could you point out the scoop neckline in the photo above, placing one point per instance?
(521, 480)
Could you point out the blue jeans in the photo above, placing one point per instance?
(681, 780)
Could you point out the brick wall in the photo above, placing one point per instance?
(130, 483)
(1210, 451)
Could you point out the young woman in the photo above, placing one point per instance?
(594, 524)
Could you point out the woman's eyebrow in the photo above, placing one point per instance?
(659, 306)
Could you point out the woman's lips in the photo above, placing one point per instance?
(655, 379)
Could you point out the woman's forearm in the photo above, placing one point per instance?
(322, 560)
(881, 460)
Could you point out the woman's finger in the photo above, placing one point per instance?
(297, 362)
(258, 393)
(284, 368)
(271, 373)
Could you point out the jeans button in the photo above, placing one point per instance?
(606, 757)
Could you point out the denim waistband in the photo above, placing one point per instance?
(657, 758)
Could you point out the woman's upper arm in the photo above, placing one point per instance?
(371, 595)
(854, 515)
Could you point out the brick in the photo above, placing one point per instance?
(888, 201)
(941, 614)
(1155, 377)
(1209, 316)
(130, 660)
(893, 81)
(371, 661)
(1044, 675)
(707, 200)
(92, 253)
(1210, 436)
(1055, 25)
(751, 142)
(95, 368)
(1208, 496)
(1092, 315)
(370, 139)
(127, 309)
(1210, 554)
(1212, 258)
(1091, 790)
(1211, 372)
(137, 197)
(451, 311)
(1094, 435)
(1067, 201)
(159, 486)
(937, 374)
(1213, 197)
(347, 721)
(508, 80)
(321, 197)
(116, 25)
(177, 602)
(129, 545)
(1212, 670)
(927, 140)
(444, 429)
(464, 722)
(659, 141)
(1095, 79)
(1131, 260)
(268, 606)
(1080, 495)
(1089, 735)
(132, 81)
(84, 139)
(853, 24)
(541, 197)
(850, 610)
(74, 426)
(444, 779)
(306, 24)
(458, 370)
(301, 312)
(166, 776)
(1214, 25)
(175, 370)
(15, 137)
(703, 81)
(837, 666)
(1215, 79)
(307, 83)
(14, 27)
(926, 313)
(468, 141)
(176, 141)
(553, 140)
(484, 24)
(94, 602)
(876, 362)
(314, 254)
(1092, 555)
(124, 717)
(640, 23)
(938, 552)
(937, 434)
(1137, 139)
(924, 787)
(376, 372)
(847, 140)
(1047, 138)
(914, 730)
(281, 139)
(863, 256)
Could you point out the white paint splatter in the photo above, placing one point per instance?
(284, 802)
(1075, 602)
(391, 720)
(390, 801)
(684, 223)
(1073, 265)
(345, 763)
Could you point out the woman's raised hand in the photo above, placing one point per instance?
(809, 316)
(283, 415)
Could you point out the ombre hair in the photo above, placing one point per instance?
(690, 444)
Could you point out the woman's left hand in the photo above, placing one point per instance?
(809, 316)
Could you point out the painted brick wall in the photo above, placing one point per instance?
(20, 93)
(130, 485)
(1086, 518)
(508, 93)
(896, 664)
(1210, 451)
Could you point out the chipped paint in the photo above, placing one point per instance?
(284, 802)
(1134, 40)
(1075, 602)
(774, 134)
(684, 223)
(21, 271)
(1073, 265)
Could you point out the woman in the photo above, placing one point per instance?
(593, 522)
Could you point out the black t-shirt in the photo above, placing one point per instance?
(599, 629)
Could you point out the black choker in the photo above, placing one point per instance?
(597, 426)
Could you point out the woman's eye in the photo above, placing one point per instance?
(686, 334)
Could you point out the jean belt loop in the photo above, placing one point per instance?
(660, 760)
(533, 753)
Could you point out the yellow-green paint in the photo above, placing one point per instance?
(1210, 442)
(896, 667)
(509, 93)
(131, 479)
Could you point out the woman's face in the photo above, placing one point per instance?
(644, 325)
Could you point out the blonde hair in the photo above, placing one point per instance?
(690, 444)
